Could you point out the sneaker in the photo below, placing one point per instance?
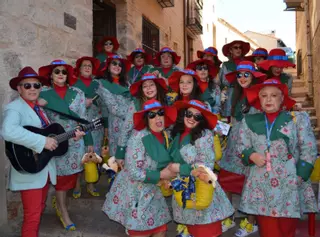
(246, 228)
(227, 224)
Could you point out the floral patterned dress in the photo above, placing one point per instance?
(73, 104)
(135, 200)
(279, 192)
(201, 153)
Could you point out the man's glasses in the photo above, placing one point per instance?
(196, 117)
(27, 86)
(152, 115)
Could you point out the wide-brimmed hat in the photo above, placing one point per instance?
(147, 57)
(209, 51)
(100, 44)
(253, 93)
(276, 58)
(156, 59)
(95, 66)
(205, 111)
(124, 61)
(27, 72)
(245, 66)
(134, 88)
(174, 79)
(170, 114)
(212, 67)
(245, 47)
(259, 52)
(46, 71)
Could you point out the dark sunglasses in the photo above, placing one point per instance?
(57, 71)
(201, 67)
(114, 63)
(28, 86)
(237, 47)
(245, 75)
(139, 56)
(196, 117)
(108, 43)
(152, 115)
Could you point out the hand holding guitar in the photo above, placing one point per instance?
(78, 135)
(51, 144)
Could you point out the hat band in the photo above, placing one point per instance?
(249, 67)
(60, 62)
(192, 102)
(167, 50)
(189, 72)
(260, 52)
(152, 105)
(138, 51)
(148, 77)
(210, 50)
(115, 57)
(271, 82)
(30, 75)
(281, 58)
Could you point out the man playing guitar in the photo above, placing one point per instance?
(25, 111)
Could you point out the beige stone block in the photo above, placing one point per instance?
(78, 47)
(6, 34)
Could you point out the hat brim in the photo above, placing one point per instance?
(134, 88)
(46, 71)
(211, 118)
(170, 116)
(100, 44)
(174, 79)
(245, 47)
(266, 64)
(252, 94)
(147, 57)
(14, 82)
(95, 66)
(156, 59)
(213, 68)
(200, 55)
(232, 76)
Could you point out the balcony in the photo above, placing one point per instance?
(166, 3)
(194, 17)
(294, 5)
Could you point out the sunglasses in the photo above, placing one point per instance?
(245, 75)
(201, 67)
(196, 117)
(152, 115)
(108, 44)
(57, 71)
(114, 63)
(28, 86)
(237, 47)
(139, 56)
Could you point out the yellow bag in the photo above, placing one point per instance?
(315, 175)
(217, 147)
(200, 200)
(165, 191)
(91, 173)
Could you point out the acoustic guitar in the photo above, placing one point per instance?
(26, 160)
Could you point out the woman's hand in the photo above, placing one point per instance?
(88, 102)
(258, 159)
(120, 163)
(174, 167)
(167, 174)
(78, 135)
(224, 96)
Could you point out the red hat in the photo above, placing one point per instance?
(134, 88)
(206, 113)
(156, 59)
(95, 66)
(174, 79)
(259, 52)
(100, 44)
(147, 57)
(245, 47)
(47, 70)
(213, 68)
(245, 66)
(276, 58)
(26, 72)
(170, 114)
(209, 51)
(125, 62)
(253, 93)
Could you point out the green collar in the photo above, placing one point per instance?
(115, 88)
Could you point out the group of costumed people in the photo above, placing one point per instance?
(160, 125)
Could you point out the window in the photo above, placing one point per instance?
(150, 37)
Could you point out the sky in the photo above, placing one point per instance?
(260, 16)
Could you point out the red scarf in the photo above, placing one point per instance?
(166, 70)
(185, 98)
(86, 80)
(185, 133)
(139, 67)
(237, 60)
(158, 135)
(272, 116)
(203, 86)
(61, 90)
(116, 80)
(244, 93)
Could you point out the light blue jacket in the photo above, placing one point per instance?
(16, 115)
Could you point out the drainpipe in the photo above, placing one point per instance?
(309, 48)
(184, 33)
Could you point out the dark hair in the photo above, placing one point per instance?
(269, 73)
(195, 133)
(161, 96)
(123, 80)
(195, 93)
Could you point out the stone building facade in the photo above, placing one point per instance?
(34, 32)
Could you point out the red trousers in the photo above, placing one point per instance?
(231, 182)
(206, 230)
(157, 230)
(34, 202)
(277, 226)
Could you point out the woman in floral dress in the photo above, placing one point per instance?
(135, 199)
(192, 146)
(280, 149)
(70, 101)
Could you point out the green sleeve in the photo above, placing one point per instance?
(152, 176)
(246, 153)
(120, 152)
(185, 169)
(304, 169)
(88, 140)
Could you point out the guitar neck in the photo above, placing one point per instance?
(67, 135)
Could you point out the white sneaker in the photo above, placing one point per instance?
(246, 229)
(227, 224)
